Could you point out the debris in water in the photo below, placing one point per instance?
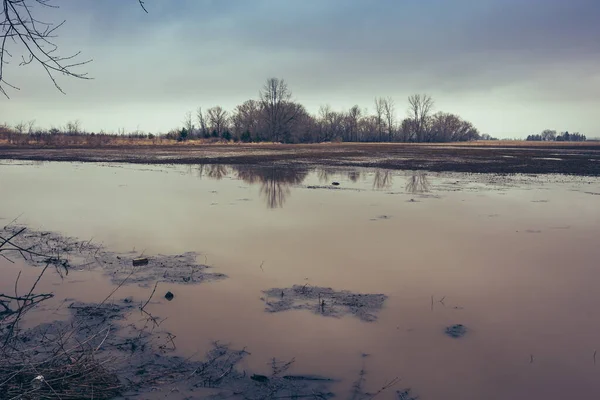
(138, 261)
(456, 331)
(37, 382)
(169, 296)
(325, 301)
(259, 378)
(406, 395)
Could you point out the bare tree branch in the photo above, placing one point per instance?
(35, 38)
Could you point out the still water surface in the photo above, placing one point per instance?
(516, 260)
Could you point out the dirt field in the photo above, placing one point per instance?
(479, 157)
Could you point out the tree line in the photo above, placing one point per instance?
(275, 117)
(549, 135)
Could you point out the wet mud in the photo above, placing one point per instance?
(516, 157)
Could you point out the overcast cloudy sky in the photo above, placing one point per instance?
(512, 67)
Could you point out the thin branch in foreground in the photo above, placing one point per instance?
(143, 6)
(385, 387)
(21, 27)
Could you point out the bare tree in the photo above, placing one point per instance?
(30, 125)
(549, 135)
(420, 108)
(188, 123)
(379, 109)
(389, 111)
(354, 115)
(367, 128)
(274, 97)
(446, 127)
(217, 118)
(406, 130)
(201, 122)
(246, 120)
(324, 121)
(20, 127)
(22, 27)
(73, 127)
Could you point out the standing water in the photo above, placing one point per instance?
(488, 284)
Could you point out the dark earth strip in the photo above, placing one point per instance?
(583, 159)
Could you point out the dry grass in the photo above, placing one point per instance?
(68, 374)
(88, 141)
(523, 143)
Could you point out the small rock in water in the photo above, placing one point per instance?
(169, 296)
(259, 378)
(335, 183)
(456, 331)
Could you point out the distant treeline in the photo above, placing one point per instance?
(550, 135)
(275, 117)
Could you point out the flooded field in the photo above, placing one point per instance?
(461, 286)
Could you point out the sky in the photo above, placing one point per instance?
(512, 67)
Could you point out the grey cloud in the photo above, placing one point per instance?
(220, 51)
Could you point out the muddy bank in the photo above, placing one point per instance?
(581, 159)
(40, 248)
(99, 345)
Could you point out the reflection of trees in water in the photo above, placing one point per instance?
(353, 176)
(418, 183)
(324, 175)
(212, 171)
(383, 179)
(275, 181)
(217, 171)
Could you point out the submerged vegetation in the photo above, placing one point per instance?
(118, 348)
(324, 301)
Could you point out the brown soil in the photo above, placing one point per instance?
(505, 157)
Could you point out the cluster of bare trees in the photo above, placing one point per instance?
(549, 135)
(275, 116)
